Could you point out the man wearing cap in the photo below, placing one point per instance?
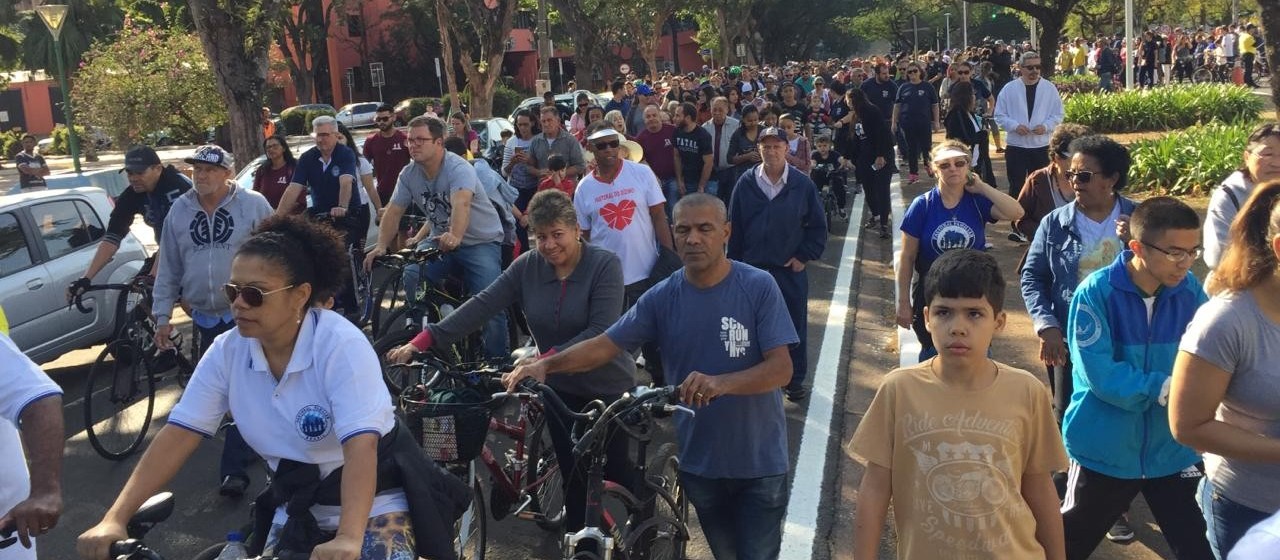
(778, 227)
(204, 229)
(153, 187)
(721, 128)
(645, 96)
(622, 208)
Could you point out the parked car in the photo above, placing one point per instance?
(404, 111)
(47, 239)
(356, 115)
(244, 180)
(310, 107)
(490, 131)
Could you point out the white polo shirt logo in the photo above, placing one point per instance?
(313, 422)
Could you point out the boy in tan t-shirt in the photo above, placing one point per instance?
(964, 446)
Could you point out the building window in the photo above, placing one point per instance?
(355, 25)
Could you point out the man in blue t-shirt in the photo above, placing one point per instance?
(725, 336)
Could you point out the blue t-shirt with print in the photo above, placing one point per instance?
(942, 229)
(722, 329)
(917, 101)
(322, 179)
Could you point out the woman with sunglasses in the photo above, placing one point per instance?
(578, 122)
(952, 215)
(303, 385)
(1048, 188)
(1071, 242)
(916, 114)
(272, 177)
(570, 291)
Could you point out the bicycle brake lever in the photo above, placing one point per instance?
(681, 408)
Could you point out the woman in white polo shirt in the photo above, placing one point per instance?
(303, 385)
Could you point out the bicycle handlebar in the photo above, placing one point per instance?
(408, 256)
(77, 299)
(637, 399)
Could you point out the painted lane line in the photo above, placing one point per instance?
(808, 488)
(908, 345)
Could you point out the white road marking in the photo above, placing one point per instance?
(800, 530)
(908, 345)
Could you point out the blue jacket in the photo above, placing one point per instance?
(768, 233)
(1115, 424)
(1049, 274)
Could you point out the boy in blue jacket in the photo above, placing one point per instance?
(1125, 321)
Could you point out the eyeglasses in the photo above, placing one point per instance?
(945, 165)
(912, 71)
(1079, 176)
(252, 295)
(381, 119)
(1177, 255)
(965, 73)
(607, 144)
(419, 140)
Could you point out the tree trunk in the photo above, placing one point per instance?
(236, 47)
(1271, 23)
(446, 51)
(302, 82)
(1050, 30)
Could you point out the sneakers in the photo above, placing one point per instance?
(1120, 531)
(912, 178)
(1017, 237)
(872, 223)
(842, 213)
(884, 229)
(798, 394)
(233, 486)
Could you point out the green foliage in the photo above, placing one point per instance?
(146, 81)
(1072, 84)
(298, 121)
(1189, 161)
(88, 22)
(11, 142)
(1163, 108)
(506, 99)
(61, 145)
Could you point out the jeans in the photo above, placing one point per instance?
(741, 517)
(673, 196)
(1105, 81)
(478, 266)
(1225, 520)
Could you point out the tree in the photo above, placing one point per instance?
(1271, 27)
(88, 21)
(479, 30)
(146, 81)
(303, 38)
(1052, 15)
(446, 44)
(235, 37)
(586, 21)
(644, 21)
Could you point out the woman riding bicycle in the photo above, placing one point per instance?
(303, 386)
(570, 291)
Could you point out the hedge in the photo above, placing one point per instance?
(298, 121)
(1163, 108)
(1191, 161)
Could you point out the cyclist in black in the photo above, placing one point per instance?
(153, 186)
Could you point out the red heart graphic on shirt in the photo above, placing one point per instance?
(619, 215)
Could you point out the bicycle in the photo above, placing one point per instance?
(1211, 72)
(124, 375)
(836, 179)
(527, 484)
(656, 525)
(434, 303)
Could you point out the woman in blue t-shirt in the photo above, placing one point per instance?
(916, 114)
(952, 215)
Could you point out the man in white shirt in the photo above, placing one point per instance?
(30, 402)
(721, 128)
(1029, 108)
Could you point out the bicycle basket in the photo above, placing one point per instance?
(449, 424)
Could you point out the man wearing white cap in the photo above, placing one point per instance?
(202, 232)
(622, 208)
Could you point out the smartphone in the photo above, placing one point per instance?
(520, 150)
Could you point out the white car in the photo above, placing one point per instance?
(358, 115)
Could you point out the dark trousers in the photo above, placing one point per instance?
(917, 319)
(1061, 385)
(618, 464)
(876, 184)
(354, 232)
(1246, 60)
(522, 202)
(725, 180)
(919, 139)
(1094, 501)
(652, 354)
(236, 454)
(1021, 162)
(795, 294)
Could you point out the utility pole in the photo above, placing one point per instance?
(544, 49)
(948, 14)
(915, 30)
(964, 23)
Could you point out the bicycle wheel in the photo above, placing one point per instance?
(548, 496)
(829, 208)
(396, 376)
(471, 530)
(1202, 76)
(665, 535)
(119, 400)
(386, 299)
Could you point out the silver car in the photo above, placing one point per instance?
(47, 239)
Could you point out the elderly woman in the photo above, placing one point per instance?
(1048, 189)
(1261, 163)
(952, 215)
(1223, 400)
(1072, 241)
(304, 387)
(569, 291)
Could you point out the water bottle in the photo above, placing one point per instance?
(234, 549)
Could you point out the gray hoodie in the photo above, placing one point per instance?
(196, 250)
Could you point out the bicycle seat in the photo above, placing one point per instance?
(155, 510)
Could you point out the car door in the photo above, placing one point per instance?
(22, 280)
(68, 231)
(364, 114)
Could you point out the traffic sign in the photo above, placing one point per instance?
(377, 77)
(705, 52)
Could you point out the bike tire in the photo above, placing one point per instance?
(829, 208)
(1202, 76)
(125, 425)
(386, 299)
(665, 535)
(471, 530)
(543, 465)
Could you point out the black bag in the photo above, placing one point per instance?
(668, 262)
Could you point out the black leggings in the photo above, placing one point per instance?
(876, 184)
(919, 138)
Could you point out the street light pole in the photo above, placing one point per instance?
(964, 24)
(948, 14)
(53, 17)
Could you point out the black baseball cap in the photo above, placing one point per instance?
(139, 158)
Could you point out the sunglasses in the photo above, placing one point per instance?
(607, 144)
(1031, 67)
(945, 165)
(962, 73)
(1079, 176)
(252, 295)
(913, 71)
(382, 119)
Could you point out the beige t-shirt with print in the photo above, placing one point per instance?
(957, 459)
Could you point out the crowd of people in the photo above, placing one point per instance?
(676, 222)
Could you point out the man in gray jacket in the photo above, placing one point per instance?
(201, 234)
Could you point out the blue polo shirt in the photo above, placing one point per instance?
(321, 177)
(917, 101)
